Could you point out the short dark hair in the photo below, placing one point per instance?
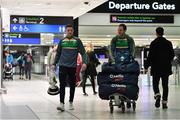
(124, 26)
(69, 25)
(160, 31)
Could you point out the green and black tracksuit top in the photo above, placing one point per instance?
(122, 48)
(67, 52)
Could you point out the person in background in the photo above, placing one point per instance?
(78, 69)
(66, 56)
(28, 65)
(9, 58)
(160, 57)
(21, 64)
(90, 72)
(51, 58)
(122, 48)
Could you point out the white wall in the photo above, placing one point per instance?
(97, 29)
(5, 20)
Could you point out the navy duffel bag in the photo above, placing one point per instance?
(110, 78)
(121, 68)
(130, 91)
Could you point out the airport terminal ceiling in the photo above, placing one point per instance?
(73, 8)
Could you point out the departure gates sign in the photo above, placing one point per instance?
(139, 6)
(39, 24)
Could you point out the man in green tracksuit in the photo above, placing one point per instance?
(66, 56)
(122, 46)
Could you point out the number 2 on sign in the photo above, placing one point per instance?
(41, 21)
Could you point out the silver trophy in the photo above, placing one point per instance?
(53, 88)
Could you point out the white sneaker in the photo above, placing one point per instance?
(61, 107)
(71, 107)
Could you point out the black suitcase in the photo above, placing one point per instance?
(130, 91)
(132, 68)
(110, 78)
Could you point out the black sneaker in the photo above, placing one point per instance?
(85, 94)
(158, 100)
(164, 106)
(95, 93)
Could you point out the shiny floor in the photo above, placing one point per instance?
(28, 100)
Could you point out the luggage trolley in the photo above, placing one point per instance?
(120, 100)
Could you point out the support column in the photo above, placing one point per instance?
(2, 89)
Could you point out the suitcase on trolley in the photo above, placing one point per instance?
(131, 68)
(115, 78)
(130, 91)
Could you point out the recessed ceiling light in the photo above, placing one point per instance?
(38, 4)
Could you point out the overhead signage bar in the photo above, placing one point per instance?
(50, 20)
(39, 24)
(141, 19)
(21, 38)
(37, 28)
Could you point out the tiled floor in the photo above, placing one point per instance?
(29, 100)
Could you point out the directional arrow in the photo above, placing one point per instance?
(15, 28)
(15, 20)
(6, 35)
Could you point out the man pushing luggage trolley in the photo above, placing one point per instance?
(118, 81)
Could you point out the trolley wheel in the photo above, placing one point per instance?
(128, 105)
(123, 107)
(119, 106)
(134, 106)
(111, 107)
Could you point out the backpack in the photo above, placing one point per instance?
(122, 53)
(20, 60)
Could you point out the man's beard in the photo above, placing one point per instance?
(69, 36)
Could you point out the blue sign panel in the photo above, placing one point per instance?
(21, 41)
(56, 41)
(21, 38)
(37, 28)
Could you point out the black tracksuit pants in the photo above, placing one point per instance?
(64, 73)
(165, 80)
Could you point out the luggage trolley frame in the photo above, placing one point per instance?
(120, 100)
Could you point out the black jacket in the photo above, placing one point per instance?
(160, 57)
(93, 62)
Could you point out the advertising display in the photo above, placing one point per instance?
(139, 6)
(141, 19)
(39, 24)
